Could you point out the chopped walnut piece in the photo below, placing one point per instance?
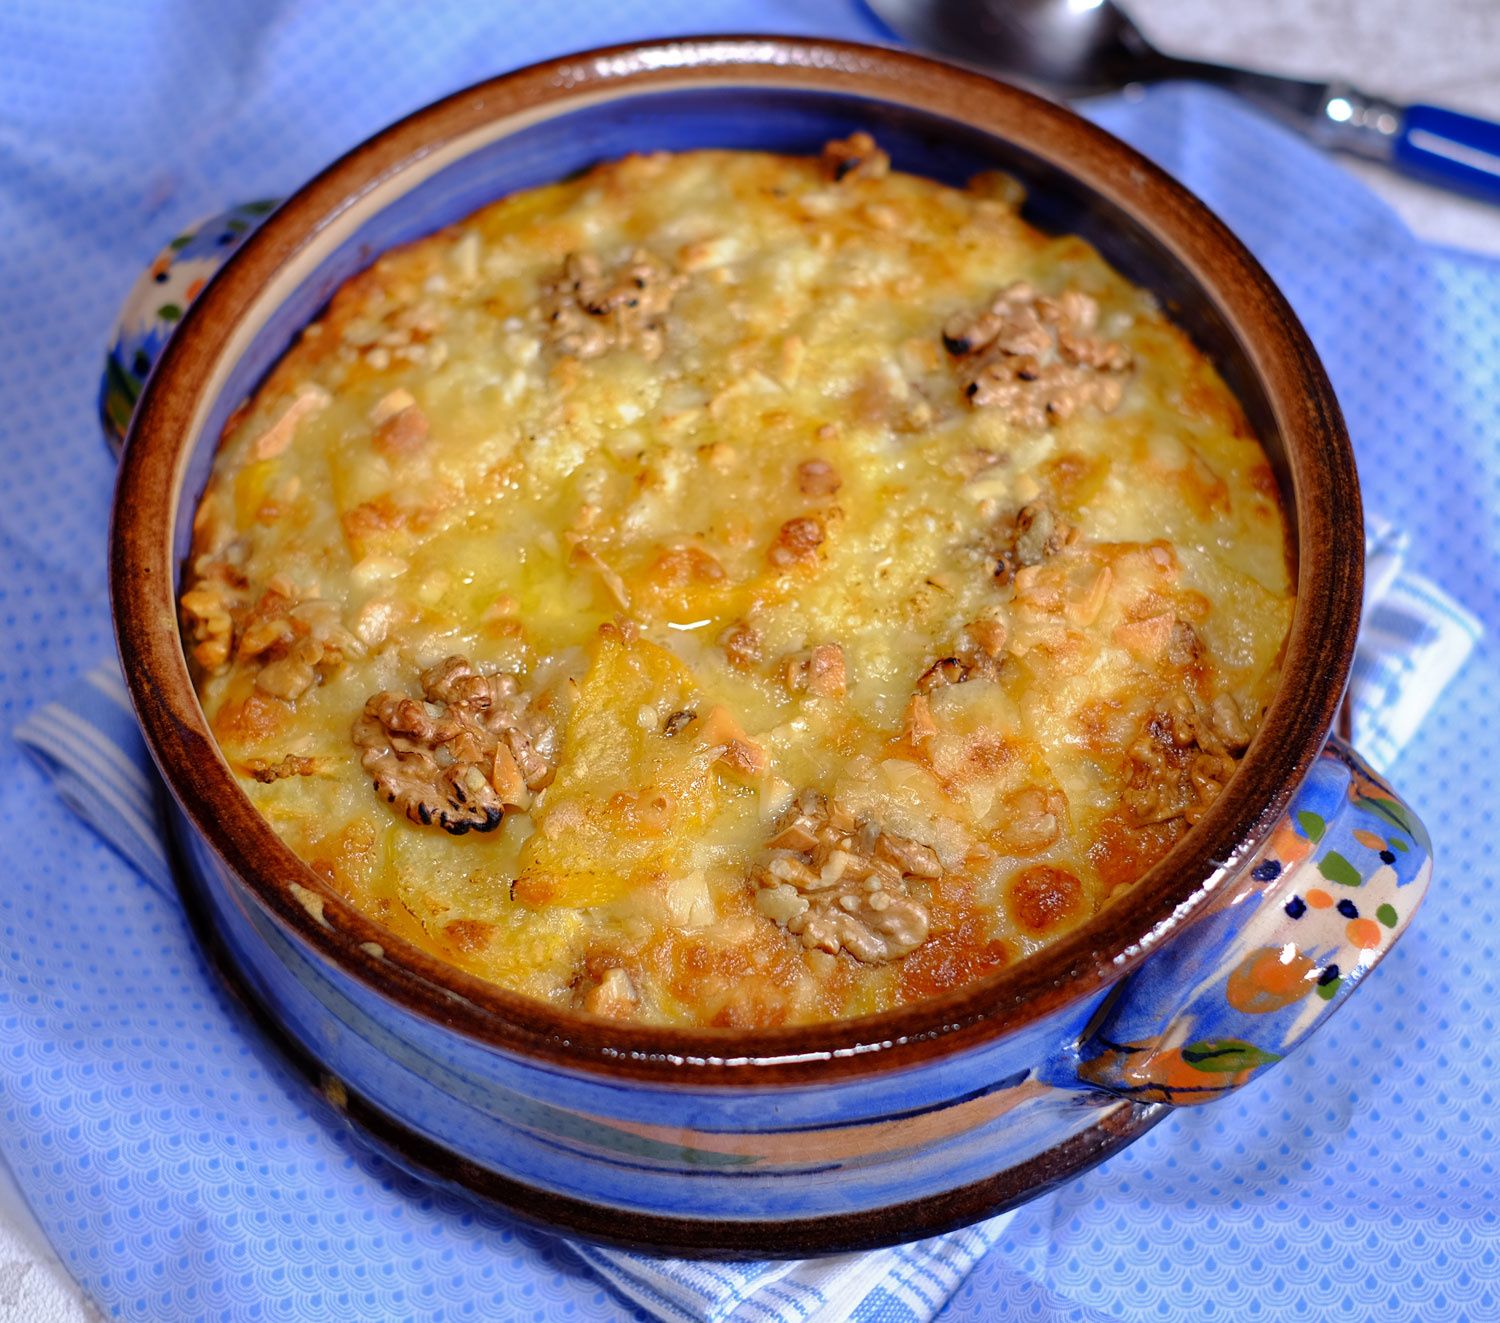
(819, 670)
(265, 771)
(989, 635)
(1039, 534)
(403, 432)
(977, 657)
(854, 157)
(1027, 537)
(210, 606)
(966, 665)
(1184, 647)
(944, 671)
(738, 754)
(843, 885)
(294, 673)
(1035, 358)
(797, 542)
(742, 646)
(818, 478)
(310, 399)
(744, 759)
(678, 721)
(295, 643)
(613, 996)
(589, 310)
(292, 643)
(1183, 757)
(917, 723)
(475, 748)
(265, 627)
(911, 857)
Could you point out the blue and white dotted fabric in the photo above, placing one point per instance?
(182, 1173)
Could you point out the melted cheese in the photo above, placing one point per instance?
(654, 536)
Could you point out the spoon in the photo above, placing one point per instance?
(1079, 48)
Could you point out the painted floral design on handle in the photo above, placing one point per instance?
(1334, 887)
(156, 303)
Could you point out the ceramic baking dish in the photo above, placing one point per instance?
(1228, 953)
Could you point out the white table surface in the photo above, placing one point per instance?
(1443, 51)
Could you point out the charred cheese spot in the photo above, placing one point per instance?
(1043, 899)
(953, 959)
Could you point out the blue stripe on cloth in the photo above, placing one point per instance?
(1385, 550)
(641, 1289)
(881, 1306)
(1414, 642)
(923, 1277)
(762, 1306)
(1415, 639)
(801, 1297)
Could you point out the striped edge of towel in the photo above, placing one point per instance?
(1414, 641)
(903, 1284)
(91, 747)
(1385, 552)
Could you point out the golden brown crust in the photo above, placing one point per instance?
(637, 514)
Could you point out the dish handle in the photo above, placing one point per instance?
(157, 302)
(1330, 892)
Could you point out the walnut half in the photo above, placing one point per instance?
(843, 885)
(458, 760)
(1184, 755)
(1035, 358)
(588, 309)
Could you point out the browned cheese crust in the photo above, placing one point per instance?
(737, 589)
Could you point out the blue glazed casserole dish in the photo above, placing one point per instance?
(824, 1138)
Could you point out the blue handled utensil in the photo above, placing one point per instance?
(1081, 48)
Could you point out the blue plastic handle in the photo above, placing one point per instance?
(1454, 150)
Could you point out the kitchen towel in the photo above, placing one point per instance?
(169, 1157)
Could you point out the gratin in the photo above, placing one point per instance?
(736, 589)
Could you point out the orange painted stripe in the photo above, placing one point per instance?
(848, 1141)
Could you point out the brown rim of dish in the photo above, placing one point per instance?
(1319, 647)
